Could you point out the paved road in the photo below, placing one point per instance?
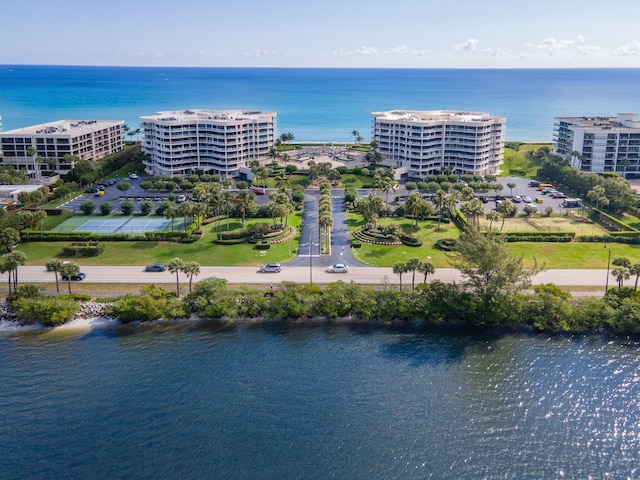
(300, 274)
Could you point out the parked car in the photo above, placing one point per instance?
(338, 268)
(133, 175)
(534, 183)
(158, 267)
(484, 198)
(558, 195)
(75, 277)
(499, 197)
(526, 199)
(271, 268)
(92, 190)
(516, 199)
(258, 191)
(182, 198)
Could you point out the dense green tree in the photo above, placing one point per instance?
(127, 207)
(88, 207)
(146, 206)
(9, 238)
(106, 208)
(486, 263)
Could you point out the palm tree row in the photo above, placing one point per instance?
(190, 269)
(414, 265)
(325, 219)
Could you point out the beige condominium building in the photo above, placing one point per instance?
(599, 144)
(84, 139)
(425, 142)
(213, 141)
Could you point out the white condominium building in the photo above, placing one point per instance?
(599, 144)
(425, 142)
(214, 141)
(85, 139)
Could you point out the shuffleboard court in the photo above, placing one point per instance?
(130, 225)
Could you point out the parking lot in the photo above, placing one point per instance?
(135, 194)
(522, 189)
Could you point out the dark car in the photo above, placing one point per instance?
(75, 277)
(92, 190)
(500, 197)
(484, 199)
(158, 267)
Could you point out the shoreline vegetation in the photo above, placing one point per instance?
(425, 306)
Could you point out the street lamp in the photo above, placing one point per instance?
(606, 285)
(311, 244)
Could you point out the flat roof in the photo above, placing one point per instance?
(211, 115)
(65, 127)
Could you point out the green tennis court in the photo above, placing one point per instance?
(131, 225)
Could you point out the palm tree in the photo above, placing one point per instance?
(400, 268)
(282, 181)
(176, 265)
(55, 266)
(67, 270)
(16, 259)
(389, 183)
(171, 212)
(412, 265)
(621, 274)
(511, 186)
(426, 268)
(625, 162)
(199, 210)
(356, 135)
(440, 198)
(635, 270)
(473, 209)
(245, 201)
(492, 217)
(414, 204)
(191, 269)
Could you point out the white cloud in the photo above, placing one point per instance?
(551, 45)
(259, 53)
(403, 51)
(468, 45)
(629, 49)
(362, 51)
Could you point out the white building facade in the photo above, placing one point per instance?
(426, 142)
(213, 141)
(599, 144)
(85, 139)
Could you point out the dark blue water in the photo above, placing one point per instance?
(198, 401)
(315, 104)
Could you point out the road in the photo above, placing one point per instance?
(300, 274)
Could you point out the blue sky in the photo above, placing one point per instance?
(322, 33)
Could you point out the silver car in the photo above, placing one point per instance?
(338, 268)
(271, 268)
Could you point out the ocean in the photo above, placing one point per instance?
(319, 105)
(273, 401)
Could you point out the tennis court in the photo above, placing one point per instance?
(131, 225)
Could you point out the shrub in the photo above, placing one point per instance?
(447, 244)
(355, 244)
(48, 310)
(410, 241)
(263, 245)
(106, 208)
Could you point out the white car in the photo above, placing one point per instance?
(526, 199)
(338, 268)
(133, 175)
(517, 199)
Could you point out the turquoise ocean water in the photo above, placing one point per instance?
(315, 104)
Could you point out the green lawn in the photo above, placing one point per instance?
(357, 181)
(520, 162)
(551, 254)
(387, 256)
(203, 251)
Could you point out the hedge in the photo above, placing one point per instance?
(447, 244)
(83, 249)
(539, 236)
(410, 241)
(628, 239)
(611, 221)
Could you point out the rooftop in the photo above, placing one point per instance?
(69, 127)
